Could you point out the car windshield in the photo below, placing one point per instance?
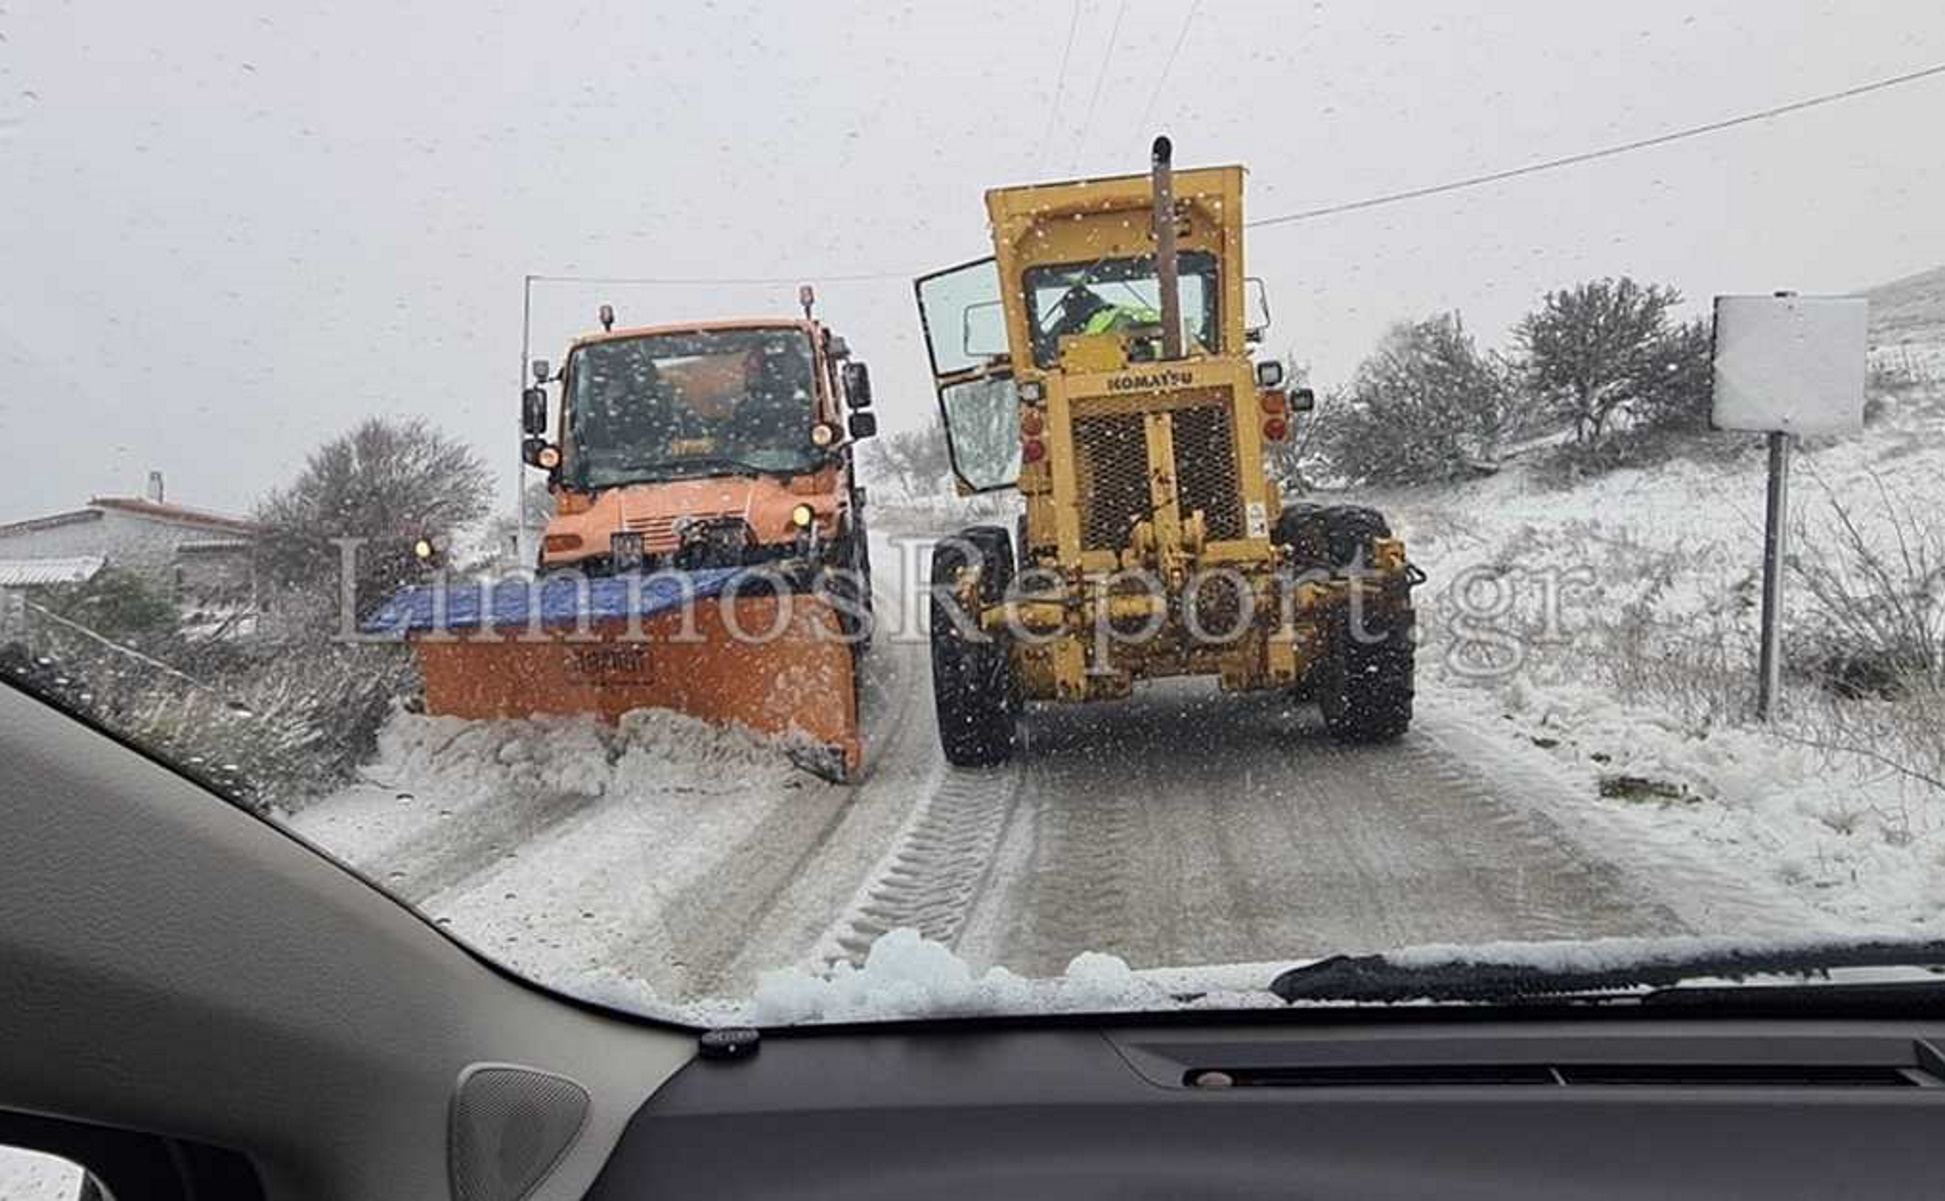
(666, 405)
(1524, 569)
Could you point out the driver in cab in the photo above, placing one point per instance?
(1083, 312)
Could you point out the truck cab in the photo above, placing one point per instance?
(723, 443)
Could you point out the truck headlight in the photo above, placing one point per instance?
(802, 516)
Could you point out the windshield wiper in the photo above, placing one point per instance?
(1542, 970)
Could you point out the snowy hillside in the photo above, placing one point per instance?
(1910, 312)
(1613, 625)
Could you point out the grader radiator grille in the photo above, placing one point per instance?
(1205, 469)
(1112, 462)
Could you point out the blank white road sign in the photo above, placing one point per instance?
(1790, 364)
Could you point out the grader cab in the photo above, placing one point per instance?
(1100, 362)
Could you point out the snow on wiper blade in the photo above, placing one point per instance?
(1513, 971)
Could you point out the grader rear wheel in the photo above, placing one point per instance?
(1365, 688)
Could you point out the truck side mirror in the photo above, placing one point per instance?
(533, 411)
(857, 385)
(863, 425)
(1302, 400)
(1256, 309)
(542, 369)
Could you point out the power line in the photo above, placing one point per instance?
(1181, 35)
(1368, 202)
(1663, 139)
(1107, 60)
(1060, 80)
(707, 281)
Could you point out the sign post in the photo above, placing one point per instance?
(1775, 537)
(1784, 366)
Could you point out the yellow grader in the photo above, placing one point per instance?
(1100, 361)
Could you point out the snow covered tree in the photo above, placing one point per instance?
(390, 482)
(1427, 405)
(1601, 354)
(916, 459)
(1678, 393)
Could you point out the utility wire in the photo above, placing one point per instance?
(1107, 60)
(1182, 35)
(1471, 181)
(1060, 80)
(1588, 156)
(704, 281)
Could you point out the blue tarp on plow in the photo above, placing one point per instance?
(561, 601)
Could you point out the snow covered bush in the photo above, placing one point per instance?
(1877, 587)
(1605, 360)
(1426, 406)
(388, 482)
(266, 724)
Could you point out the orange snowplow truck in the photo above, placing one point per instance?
(709, 519)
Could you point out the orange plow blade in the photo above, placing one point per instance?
(776, 663)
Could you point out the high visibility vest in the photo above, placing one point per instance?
(1119, 316)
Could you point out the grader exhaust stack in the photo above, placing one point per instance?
(1167, 265)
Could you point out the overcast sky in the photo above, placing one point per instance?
(232, 230)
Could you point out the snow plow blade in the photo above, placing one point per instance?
(705, 644)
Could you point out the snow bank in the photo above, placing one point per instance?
(1640, 683)
(561, 846)
(648, 748)
(434, 772)
(1854, 841)
(906, 975)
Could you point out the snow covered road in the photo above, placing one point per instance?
(1181, 827)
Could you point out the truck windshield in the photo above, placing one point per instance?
(665, 406)
(1112, 295)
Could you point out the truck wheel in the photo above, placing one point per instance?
(1349, 531)
(850, 585)
(1365, 687)
(1330, 535)
(972, 678)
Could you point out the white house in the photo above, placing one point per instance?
(202, 559)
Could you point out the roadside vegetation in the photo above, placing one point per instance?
(1595, 560)
(267, 706)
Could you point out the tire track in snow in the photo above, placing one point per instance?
(938, 866)
(727, 927)
(461, 848)
(799, 868)
(1185, 826)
